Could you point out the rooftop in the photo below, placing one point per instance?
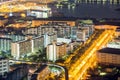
(110, 50)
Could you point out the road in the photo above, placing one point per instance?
(85, 56)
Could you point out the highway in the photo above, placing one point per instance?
(85, 56)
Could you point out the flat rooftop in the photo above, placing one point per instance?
(110, 50)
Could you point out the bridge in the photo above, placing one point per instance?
(84, 57)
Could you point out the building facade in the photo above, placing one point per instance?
(80, 35)
(37, 43)
(15, 37)
(109, 56)
(21, 48)
(24, 47)
(5, 44)
(56, 51)
(49, 38)
(16, 74)
(32, 30)
(4, 65)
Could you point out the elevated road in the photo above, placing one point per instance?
(85, 56)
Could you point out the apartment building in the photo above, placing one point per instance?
(56, 51)
(31, 30)
(4, 65)
(15, 37)
(24, 47)
(37, 43)
(21, 48)
(49, 38)
(5, 44)
(80, 35)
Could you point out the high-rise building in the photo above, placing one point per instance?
(32, 30)
(21, 48)
(49, 38)
(56, 51)
(5, 44)
(37, 43)
(24, 47)
(48, 29)
(80, 35)
(15, 37)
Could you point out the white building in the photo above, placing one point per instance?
(56, 51)
(49, 38)
(51, 52)
(40, 12)
(4, 65)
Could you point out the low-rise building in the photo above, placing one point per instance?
(16, 74)
(38, 22)
(40, 12)
(109, 56)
